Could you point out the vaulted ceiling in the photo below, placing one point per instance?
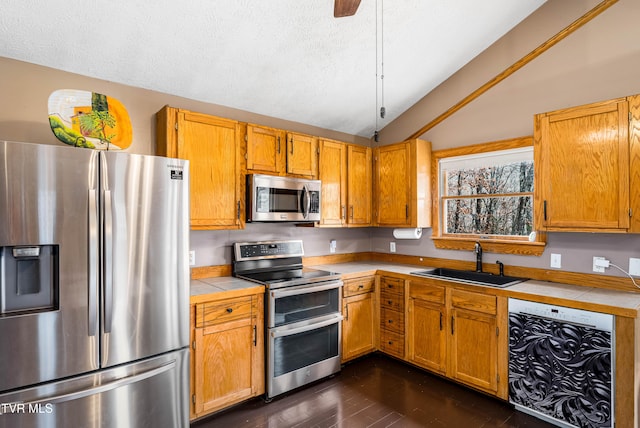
(290, 59)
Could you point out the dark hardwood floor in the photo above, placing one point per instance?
(376, 391)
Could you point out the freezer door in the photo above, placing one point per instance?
(145, 256)
(152, 393)
(48, 275)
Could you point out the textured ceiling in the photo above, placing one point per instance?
(289, 59)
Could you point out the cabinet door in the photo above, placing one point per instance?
(359, 185)
(583, 167)
(332, 170)
(223, 364)
(359, 326)
(265, 150)
(393, 185)
(302, 155)
(211, 145)
(473, 349)
(427, 335)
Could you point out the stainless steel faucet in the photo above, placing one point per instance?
(478, 250)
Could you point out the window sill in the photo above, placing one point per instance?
(522, 248)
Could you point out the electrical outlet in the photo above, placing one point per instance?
(332, 246)
(192, 258)
(634, 266)
(597, 264)
(556, 260)
(392, 247)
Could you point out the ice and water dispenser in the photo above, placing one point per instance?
(28, 279)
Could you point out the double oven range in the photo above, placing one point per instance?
(302, 313)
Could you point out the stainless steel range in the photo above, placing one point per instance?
(302, 313)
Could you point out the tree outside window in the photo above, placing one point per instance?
(488, 194)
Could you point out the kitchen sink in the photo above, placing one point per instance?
(470, 277)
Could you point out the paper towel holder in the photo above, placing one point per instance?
(408, 233)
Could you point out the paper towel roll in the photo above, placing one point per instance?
(407, 233)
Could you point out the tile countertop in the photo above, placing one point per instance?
(203, 289)
(624, 303)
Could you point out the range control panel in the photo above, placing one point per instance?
(267, 249)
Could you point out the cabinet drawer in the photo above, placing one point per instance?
(428, 292)
(478, 302)
(212, 313)
(357, 286)
(392, 285)
(391, 301)
(392, 320)
(392, 343)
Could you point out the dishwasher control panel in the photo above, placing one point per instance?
(596, 320)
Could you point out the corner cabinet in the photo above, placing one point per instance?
(212, 145)
(359, 309)
(458, 333)
(345, 172)
(402, 183)
(227, 353)
(587, 160)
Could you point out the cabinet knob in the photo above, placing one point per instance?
(390, 321)
(389, 302)
(229, 310)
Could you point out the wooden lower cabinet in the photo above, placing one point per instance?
(392, 307)
(459, 333)
(227, 353)
(427, 337)
(359, 326)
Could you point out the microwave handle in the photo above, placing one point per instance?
(306, 204)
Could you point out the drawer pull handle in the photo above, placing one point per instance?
(229, 310)
(389, 301)
(390, 343)
(390, 321)
(361, 286)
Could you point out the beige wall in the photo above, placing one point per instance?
(599, 61)
(25, 89)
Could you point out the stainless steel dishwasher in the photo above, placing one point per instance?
(561, 364)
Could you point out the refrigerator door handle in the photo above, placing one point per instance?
(106, 387)
(93, 262)
(108, 262)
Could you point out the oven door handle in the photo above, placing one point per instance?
(293, 291)
(313, 326)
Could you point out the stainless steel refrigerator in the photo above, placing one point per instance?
(94, 280)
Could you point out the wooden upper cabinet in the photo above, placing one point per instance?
(345, 172)
(403, 184)
(359, 186)
(266, 149)
(212, 146)
(582, 168)
(332, 171)
(302, 155)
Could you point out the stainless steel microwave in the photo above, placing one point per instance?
(275, 198)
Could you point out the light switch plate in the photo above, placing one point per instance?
(634, 266)
(556, 260)
(332, 246)
(392, 247)
(192, 258)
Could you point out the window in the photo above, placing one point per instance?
(485, 192)
(488, 194)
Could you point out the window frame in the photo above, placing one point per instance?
(503, 244)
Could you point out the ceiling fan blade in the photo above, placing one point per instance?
(345, 8)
